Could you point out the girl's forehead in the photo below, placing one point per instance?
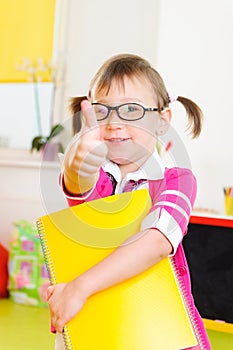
(133, 85)
(133, 81)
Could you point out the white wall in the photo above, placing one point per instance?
(18, 119)
(195, 55)
(99, 29)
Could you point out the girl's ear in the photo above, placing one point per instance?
(164, 121)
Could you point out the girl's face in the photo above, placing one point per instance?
(130, 143)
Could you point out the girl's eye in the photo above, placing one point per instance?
(128, 108)
(101, 110)
(131, 108)
(131, 111)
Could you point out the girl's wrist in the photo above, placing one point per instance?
(79, 185)
(83, 287)
(70, 181)
(85, 184)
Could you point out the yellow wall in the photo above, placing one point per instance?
(27, 30)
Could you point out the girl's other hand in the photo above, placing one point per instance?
(64, 301)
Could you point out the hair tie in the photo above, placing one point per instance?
(172, 98)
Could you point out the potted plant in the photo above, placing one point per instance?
(39, 72)
(47, 144)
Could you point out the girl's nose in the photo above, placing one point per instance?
(113, 121)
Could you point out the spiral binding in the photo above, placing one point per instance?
(67, 340)
(195, 325)
(46, 252)
(51, 273)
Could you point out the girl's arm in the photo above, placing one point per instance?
(131, 259)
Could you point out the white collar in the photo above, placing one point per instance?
(152, 169)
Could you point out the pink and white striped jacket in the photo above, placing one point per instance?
(173, 191)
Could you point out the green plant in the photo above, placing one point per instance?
(40, 71)
(40, 141)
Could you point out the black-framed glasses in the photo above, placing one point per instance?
(125, 111)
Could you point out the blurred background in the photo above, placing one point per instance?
(49, 51)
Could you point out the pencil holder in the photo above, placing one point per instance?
(228, 200)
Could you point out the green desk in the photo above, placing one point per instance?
(27, 328)
(220, 334)
(24, 327)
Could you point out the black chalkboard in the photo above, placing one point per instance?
(209, 253)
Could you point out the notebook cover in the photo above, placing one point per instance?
(144, 312)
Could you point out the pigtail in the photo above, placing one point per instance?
(75, 108)
(195, 115)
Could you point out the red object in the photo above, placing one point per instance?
(212, 221)
(168, 146)
(4, 254)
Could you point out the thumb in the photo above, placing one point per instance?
(49, 292)
(89, 114)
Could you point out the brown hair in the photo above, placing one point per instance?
(75, 108)
(119, 66)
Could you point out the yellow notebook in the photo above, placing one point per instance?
(144, 312)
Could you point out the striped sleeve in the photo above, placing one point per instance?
(173, 200)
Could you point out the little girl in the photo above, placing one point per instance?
(126, 109)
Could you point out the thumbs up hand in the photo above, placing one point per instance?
(85, 155)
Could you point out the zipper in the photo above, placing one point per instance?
(193, 319)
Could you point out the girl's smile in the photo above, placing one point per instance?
(116, 140)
